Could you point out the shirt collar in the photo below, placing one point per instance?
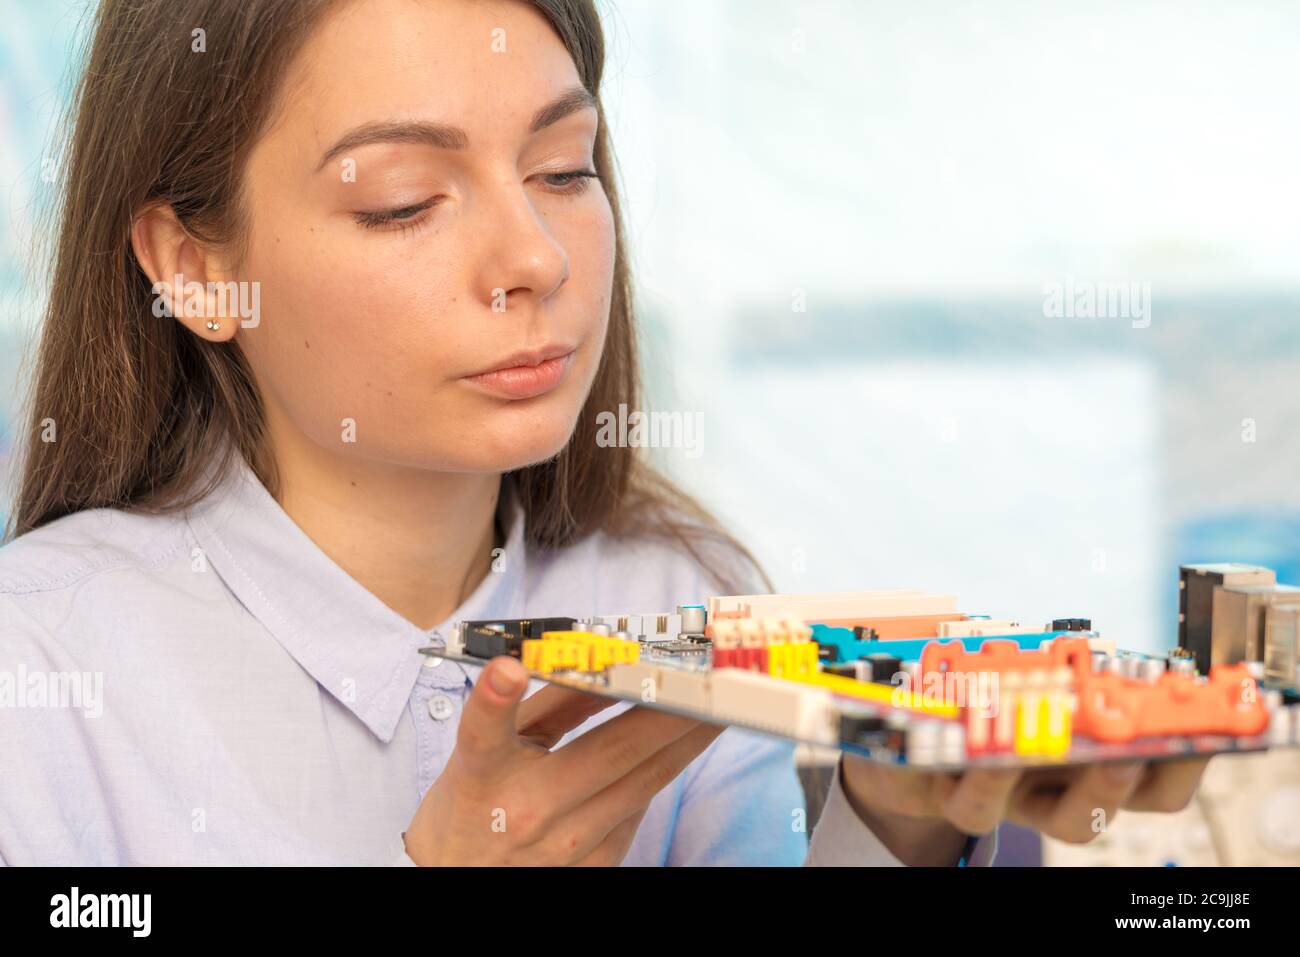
(356, 647)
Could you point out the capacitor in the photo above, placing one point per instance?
(923, 742)
(693, 619)
(952, 742)
(1008, 701)
(1151, 669)
(1281, 726)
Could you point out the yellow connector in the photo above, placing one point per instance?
(793, 661)
(1029, 722)
(577, 651)
(1043, 719)
(1057, 723)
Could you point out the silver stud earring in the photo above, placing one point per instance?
(213, 325)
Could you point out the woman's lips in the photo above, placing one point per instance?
(524, 381)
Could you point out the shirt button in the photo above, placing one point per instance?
(441, 707)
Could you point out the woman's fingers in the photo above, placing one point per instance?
(1168, 786)
(614, 847)
(635, 789)
(611, 751)
(1080, 810)
(554, 711)
(581, 832)
(486, 738)
(977, 801)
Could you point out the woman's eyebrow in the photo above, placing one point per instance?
(448, 137)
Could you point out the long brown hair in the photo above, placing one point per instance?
(143, 406)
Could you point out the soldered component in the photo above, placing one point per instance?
(517, 628)
(864, 730)
(693, 619)
(1071, 624)
(1196, 584)
(883, 667)
(1237, 622)
(923, 743)
(1150, 669)
(1282, 644)
(491, 641)
(689, 649)
(579, 651)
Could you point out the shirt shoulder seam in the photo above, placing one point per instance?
(84, 571)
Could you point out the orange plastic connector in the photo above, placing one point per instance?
(1002, 655)
(1113, 708)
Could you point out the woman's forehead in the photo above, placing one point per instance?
(480, 66)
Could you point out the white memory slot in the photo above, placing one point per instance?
(800, 711)
(823, 609)
(732, 603)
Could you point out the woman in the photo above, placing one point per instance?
(339, 290)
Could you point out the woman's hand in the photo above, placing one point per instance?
(506, 798)
(924, 817)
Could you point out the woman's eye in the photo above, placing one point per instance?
(569, 181)
(404, 217)
(408, 217)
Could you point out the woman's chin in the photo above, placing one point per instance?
(513, 449)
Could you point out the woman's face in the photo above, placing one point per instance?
(415, 222)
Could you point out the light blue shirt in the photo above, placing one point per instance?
(211, 688)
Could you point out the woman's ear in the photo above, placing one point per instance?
(186, 276)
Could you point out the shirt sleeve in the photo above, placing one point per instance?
(742, 805)
(843, 840)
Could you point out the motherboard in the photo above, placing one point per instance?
(904, 677)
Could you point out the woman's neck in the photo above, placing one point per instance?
(417, 540)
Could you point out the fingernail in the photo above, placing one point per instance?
(1122, 774)
(506, 677)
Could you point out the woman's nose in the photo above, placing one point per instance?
(520, 258)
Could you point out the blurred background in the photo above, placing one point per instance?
(845, 217)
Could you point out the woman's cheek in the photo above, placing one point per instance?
(312, 354)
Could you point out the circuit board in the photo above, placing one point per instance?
(903, 677)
